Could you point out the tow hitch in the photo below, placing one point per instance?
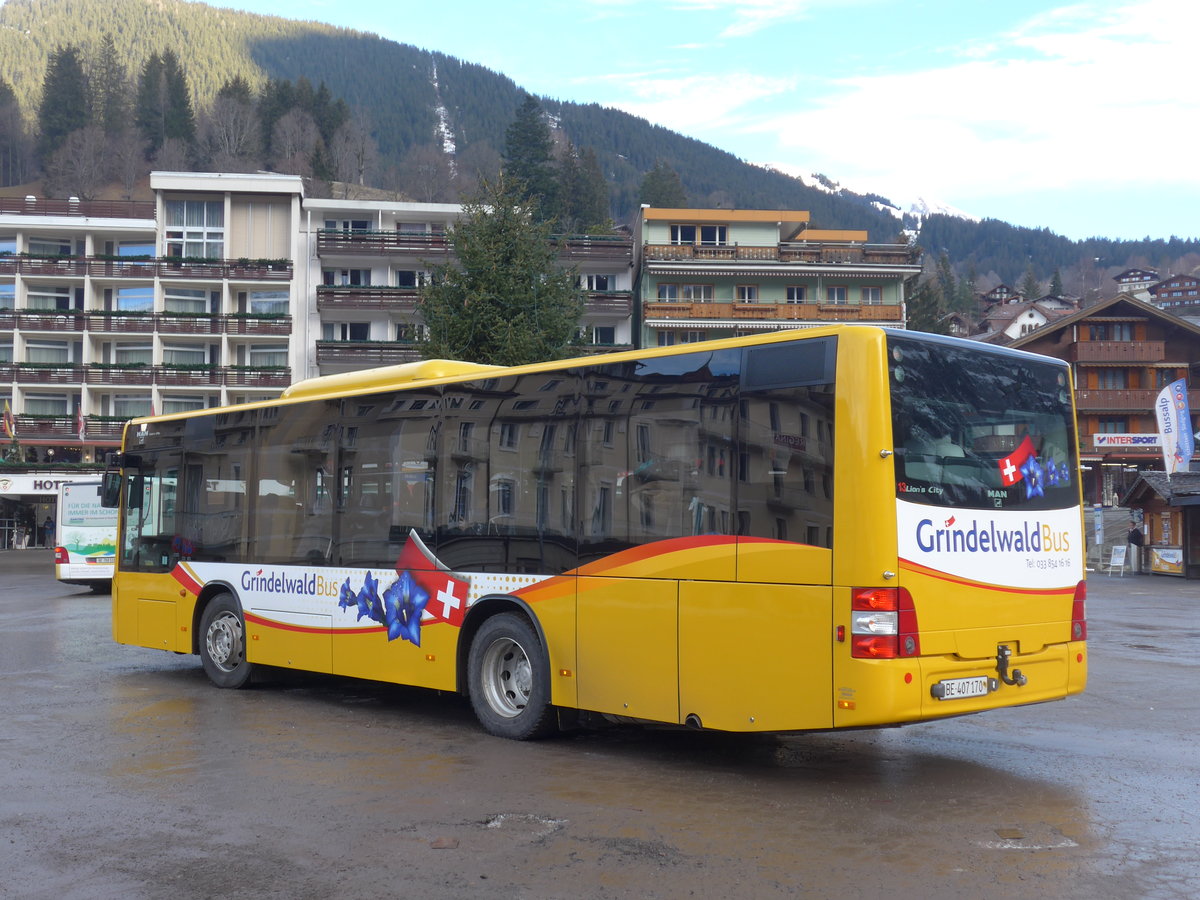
(1003, 653)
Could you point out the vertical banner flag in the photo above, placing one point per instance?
(80, 425)
(1175, 426)
(10, 426)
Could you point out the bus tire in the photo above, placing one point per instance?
(223, 643)
(509, 679)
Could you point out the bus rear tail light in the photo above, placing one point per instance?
(883, 624)
(1079, 613)
(61, 556)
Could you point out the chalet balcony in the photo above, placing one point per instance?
(376, 297)
(1125, 400)
(608, 303)
(1132, 352)
(793, 252)
(611, 248)
(773, 312)
(382, 243)
(365, 354)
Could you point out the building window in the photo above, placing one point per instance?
(48, 353)
(666, 339)
(604, 334)
(835, 296)
(797, 293)
(264, 356)
(596, 282)
(705, 235)
(183, 404)
(185, 356)
(668, 292)
(129, 406)
(872, 296)
(345, 331)
(701, 292)
(132, 354)
(746, 293)
(44, 246)
(410, 278)
(48, 298)
(1113, 425)
(691, 337)
(345, 277)
(196, 228)
(180, 300)
(1112, 379)
(47, 405)
(269, 303)
(503, 492)
(6, 353)
(508, 435)
(135, 299)
(135, 248)
(8, 245)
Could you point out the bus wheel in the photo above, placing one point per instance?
(509, 679)
(223, 643)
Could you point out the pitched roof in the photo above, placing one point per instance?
(1140, 307)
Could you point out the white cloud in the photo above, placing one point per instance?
(1068, 99)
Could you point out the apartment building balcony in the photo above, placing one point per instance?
(181, 323)
(1139, 401)
(608, 303)
(143, 269)
(365, 354)
(382, 243)
(45, 373)
(773, 312)
(120, 374)
(260, 377)
(99, 429)
(375, 297)
(187, 376)
(594, 248)
(791, 252)
(30, 320)
(1132, 352)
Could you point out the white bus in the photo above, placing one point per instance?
(85, 538)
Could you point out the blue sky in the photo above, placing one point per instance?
(1040, 114)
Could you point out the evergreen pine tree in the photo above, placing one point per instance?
(504, 301)
(1056, 284)
(150, 106)
(109, 81)
(180, 118)
(529, 160)
(662, 188)
(64, 106)
(593, 206)
(16, 145)
(1031, 288)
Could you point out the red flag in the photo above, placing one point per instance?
(447, 590)
(1010, 466)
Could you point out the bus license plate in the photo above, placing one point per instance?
(957, 688)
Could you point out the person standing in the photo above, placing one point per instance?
(1136, 539)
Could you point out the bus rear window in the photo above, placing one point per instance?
(980, 428)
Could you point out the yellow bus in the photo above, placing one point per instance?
(841, 527)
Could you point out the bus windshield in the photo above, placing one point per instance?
(984, 430)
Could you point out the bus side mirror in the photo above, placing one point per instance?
(110, 490)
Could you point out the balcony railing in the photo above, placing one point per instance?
(810, 312)
(168, 323)
(49, 321)
(593, 247)
(107, 209)
(165, 268)
(399, 299)
(366, 353)
(795, 252)
(424, 244)
(1132, 352)
(44, 373)
(608, 303)
(1124, 400)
